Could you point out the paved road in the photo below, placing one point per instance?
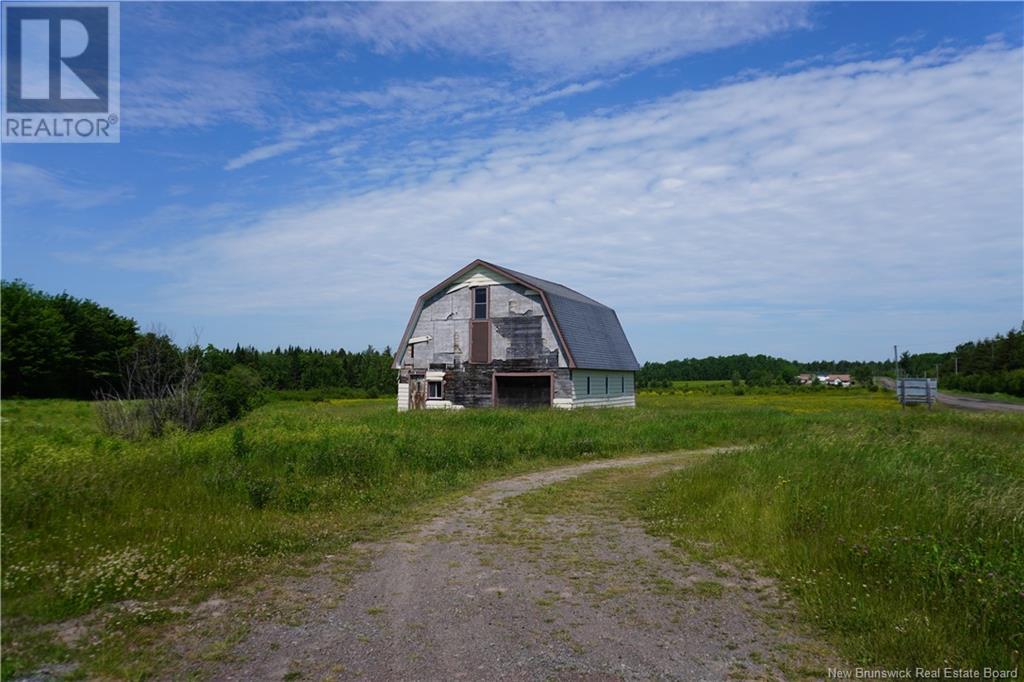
(962, 402)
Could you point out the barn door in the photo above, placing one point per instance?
(480, 341)
(522, 390)
(417, 394)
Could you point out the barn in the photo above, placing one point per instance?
(490, 336)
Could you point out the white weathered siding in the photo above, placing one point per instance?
(621, 391)
(445, 318)
(403, 397)
(441, 405)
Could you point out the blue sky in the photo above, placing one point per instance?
(810, 181)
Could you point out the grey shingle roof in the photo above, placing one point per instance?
(590, 329)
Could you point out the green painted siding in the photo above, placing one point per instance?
(621, 390)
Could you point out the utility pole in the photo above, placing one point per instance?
(896, 361)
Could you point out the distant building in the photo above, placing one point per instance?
(827, 379)
(490, 336)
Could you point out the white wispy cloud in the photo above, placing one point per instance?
(267, 151)
(297, 136)
(544, 51)
(193, 72)
(26, 185)
(875, 185)
(405, 105)
(568, 39)
(182, 93)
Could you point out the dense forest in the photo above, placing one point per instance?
(993, 365)
(59, 346)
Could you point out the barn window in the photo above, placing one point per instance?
(434, 390)
(622, 389)
(606, 385)
(588, 385)
(480, 303)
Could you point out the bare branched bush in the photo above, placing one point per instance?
(123, 417)
(161, 385)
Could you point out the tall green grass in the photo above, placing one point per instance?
(90, 520)
(900, 535)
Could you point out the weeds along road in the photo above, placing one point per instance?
(963, 402)
(542, 576)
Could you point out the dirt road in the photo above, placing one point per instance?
(962, 402)
(541, 576)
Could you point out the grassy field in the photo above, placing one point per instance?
(936, 498)
(901, 538)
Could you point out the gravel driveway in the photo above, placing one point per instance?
(541, 576)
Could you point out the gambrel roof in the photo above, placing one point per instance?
(588, 331)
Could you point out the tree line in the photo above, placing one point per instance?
(994, 365)
(295, 368)
(60, 346)
(755, 370)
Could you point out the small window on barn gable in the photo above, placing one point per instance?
(434, 390)
(606, 385)
(480, 303)
(622, 388)
(588, 385)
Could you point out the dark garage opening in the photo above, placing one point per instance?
(522, 390)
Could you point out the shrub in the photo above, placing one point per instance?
(230, 395)
(1015, 383)
(760, 377)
